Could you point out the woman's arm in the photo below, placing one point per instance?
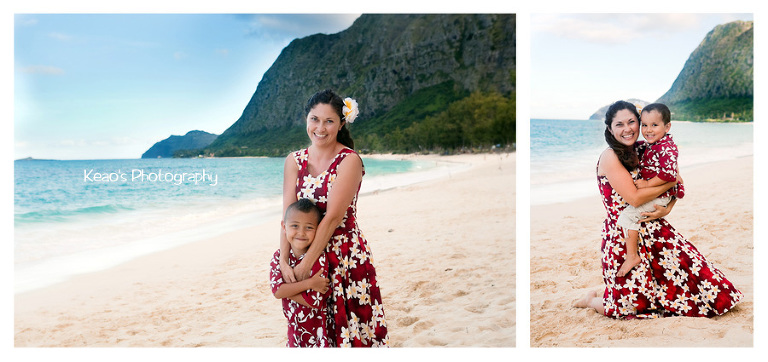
(290, 174)
(348, 177)
(622, 182)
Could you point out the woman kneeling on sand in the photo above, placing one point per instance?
(673, 278)
(329, 173)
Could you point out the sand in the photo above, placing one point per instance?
(716, 215)
(444, 252)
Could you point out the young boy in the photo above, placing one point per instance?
(658, 165)
(304, 302)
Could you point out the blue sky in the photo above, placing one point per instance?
(581, 62)
(110, 86)
(98, 86)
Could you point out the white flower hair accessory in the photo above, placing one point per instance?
(639, 108)
(350, 110)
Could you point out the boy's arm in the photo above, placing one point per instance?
(294, 291)
(287, 290)
(281, 289)
(653, 182)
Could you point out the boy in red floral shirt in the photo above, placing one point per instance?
(304, 302)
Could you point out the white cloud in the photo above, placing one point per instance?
(42, 69)
(613, 28)
(289, 26)
(26, 22)
(222, 52)
(179, 55)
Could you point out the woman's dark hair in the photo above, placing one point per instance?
(666, 115)
(331, 98)
(627, 155)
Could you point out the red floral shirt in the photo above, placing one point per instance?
(660, 159)
(306, 326)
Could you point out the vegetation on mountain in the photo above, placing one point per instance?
(716, 83)
(404, 70)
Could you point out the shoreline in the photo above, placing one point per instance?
(53, 269)
(214, 292)
(716, 215)
(574, 189)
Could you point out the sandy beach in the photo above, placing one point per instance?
(444, 252)
(716, 215)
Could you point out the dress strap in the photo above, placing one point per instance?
(340, 157)
(301, 157)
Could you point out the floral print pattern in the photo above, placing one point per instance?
(356, 313)
(307, 327)
(673, 278)
(660, 159)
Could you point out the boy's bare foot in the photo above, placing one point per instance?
(584, 302)
(630, 262)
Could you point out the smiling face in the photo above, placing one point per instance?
(625, 127)
(323, 124)
(653, 126)
(300, 228)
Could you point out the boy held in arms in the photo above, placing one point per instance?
(658, 165)
(304, 302)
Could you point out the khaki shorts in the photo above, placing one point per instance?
(630, 217)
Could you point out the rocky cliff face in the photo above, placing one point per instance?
(193, 140)
(717, 78)
(380, 61)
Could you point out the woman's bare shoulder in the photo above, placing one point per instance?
(607, 159)
(291, 162)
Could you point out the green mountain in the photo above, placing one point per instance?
(407, 72)
(716, 82)
(177, 145)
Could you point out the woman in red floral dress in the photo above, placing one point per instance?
(329, 173)
(673, 278)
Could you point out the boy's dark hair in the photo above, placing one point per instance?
(305, 206)
(666, 115)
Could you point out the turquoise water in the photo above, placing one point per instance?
(79, 216)
(564, 153)
(61, 191)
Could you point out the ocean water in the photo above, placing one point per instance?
(564, 153)
(73, 217)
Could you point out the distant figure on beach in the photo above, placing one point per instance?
(304, 302)
(672, 278)
(329, 173)
(658, 165)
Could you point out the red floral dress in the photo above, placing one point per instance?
(356, 313)
(673, 278)
(306, 326)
